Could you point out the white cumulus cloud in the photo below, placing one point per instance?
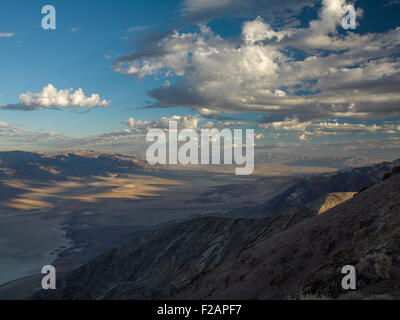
(51, 97)
(312, 73)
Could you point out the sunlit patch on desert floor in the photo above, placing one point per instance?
(32, 196)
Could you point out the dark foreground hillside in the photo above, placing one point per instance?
(292, 255)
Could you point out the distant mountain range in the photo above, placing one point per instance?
(339, 162)
(296, 254)
(335, 162)
(58, 166)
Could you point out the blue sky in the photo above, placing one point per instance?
(69, 59)
(286, 68)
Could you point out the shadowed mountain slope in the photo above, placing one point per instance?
(278, 257)
(307, 258)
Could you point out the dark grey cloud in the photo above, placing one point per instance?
(274, 11)
(20, 107)
(147, 46)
